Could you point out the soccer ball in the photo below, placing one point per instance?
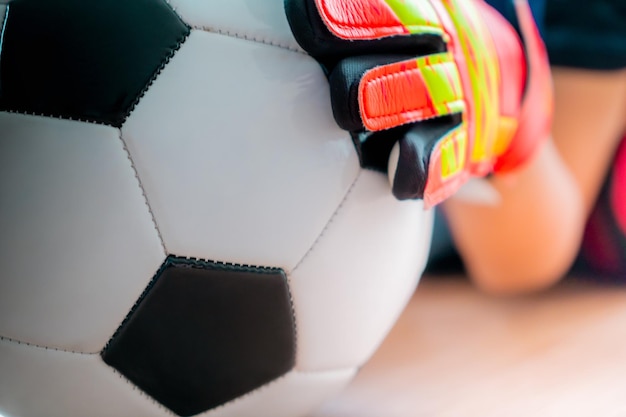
(184, 230)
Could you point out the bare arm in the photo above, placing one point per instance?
(531, 237)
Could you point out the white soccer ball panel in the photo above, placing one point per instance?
(293, 395)
(78, 244)
(45, 382)
(261, 21)
(238, 153)
(350, 288)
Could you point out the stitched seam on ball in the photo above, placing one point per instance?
(248, 37)
(143, 191)
(294, 319)
(328, 223)
(34, 345)
(247, 394)
(154, 76)
(142, 393)
(55, 116)
(196, 262)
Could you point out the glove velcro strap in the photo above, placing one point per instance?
(375, 19)
(410, 91)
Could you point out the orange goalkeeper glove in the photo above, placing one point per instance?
(432, 91)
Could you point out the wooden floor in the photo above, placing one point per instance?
(456, 352)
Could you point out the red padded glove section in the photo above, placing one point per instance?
(359, 19)
(535, 116)
(392, 95)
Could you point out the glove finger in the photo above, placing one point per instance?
(428, 161)
(383, 92)
(346, 91)
(332, 29)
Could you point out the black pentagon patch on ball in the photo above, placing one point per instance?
(205, 333)
(84, 60)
